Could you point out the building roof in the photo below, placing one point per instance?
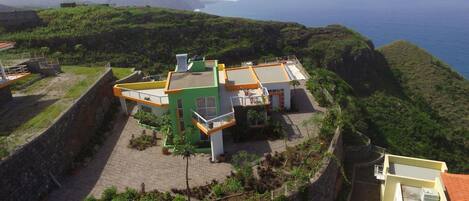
(457, 186)
(186, 80)
(270, 74)
(413, 171)
(240, 76)
(4, 45)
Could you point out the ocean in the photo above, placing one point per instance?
(439, 26)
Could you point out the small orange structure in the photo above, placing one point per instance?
(457, 186)
(11, 74)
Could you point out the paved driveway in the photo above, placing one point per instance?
(116, 164)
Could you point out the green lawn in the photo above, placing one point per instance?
(120, 73)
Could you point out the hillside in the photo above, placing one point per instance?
(422, 76)
(150, 37)
(430, 118)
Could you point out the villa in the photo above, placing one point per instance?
(413, 179)
(203, 97)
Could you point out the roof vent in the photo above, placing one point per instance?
(181, 62)
(428, 194)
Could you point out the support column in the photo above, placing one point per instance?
(2, 71)
(124, 105)
(216, 141)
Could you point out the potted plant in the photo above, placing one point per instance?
(166, 151)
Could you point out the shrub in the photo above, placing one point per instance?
(179, 198)
(142, 142)
(231, 185)
(151, 119)
(218, 190)
(109, 193)
(243, 159)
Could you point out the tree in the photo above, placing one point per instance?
(294, 83)
(183, 148)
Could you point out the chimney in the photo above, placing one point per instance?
(181, 62)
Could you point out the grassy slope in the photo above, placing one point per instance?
(430, 118)
(422, 76)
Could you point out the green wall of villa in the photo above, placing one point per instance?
(189, 102)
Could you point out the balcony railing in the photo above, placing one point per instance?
(130, 93)
(213, 123)
(252, 100)
(16, 70)
(379, 172)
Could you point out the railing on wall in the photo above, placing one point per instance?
(214, 122)
(252, 100)
(145, 96)
(16, 70)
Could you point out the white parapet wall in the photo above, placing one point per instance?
(216, 142)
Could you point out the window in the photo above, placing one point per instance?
(206, 107)
(180, 115)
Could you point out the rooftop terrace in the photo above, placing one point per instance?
(413, 171)
(240, 76)
(191, 79)
(275, 73)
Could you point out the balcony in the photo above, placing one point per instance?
(215, 124)
(251, 97)
(8, 75)
(151, 93)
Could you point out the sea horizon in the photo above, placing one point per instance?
(440, 27)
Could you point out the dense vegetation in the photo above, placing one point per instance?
(431, 119)
(150, 37)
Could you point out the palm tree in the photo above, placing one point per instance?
(186, 150)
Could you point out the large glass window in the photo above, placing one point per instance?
(206, 107)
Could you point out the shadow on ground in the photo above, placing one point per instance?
(82, 188)
(20, 110)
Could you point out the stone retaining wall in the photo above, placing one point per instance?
(5, 95)
(31, 171)
(326, 183)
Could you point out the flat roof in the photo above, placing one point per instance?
(240, 76)
(275, 73)
(413, 171)
(191, 79)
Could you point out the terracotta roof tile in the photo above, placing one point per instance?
(6, 45)
(457, 186)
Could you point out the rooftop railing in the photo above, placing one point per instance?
(252, 100)
(16, 70)
(161, 100)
